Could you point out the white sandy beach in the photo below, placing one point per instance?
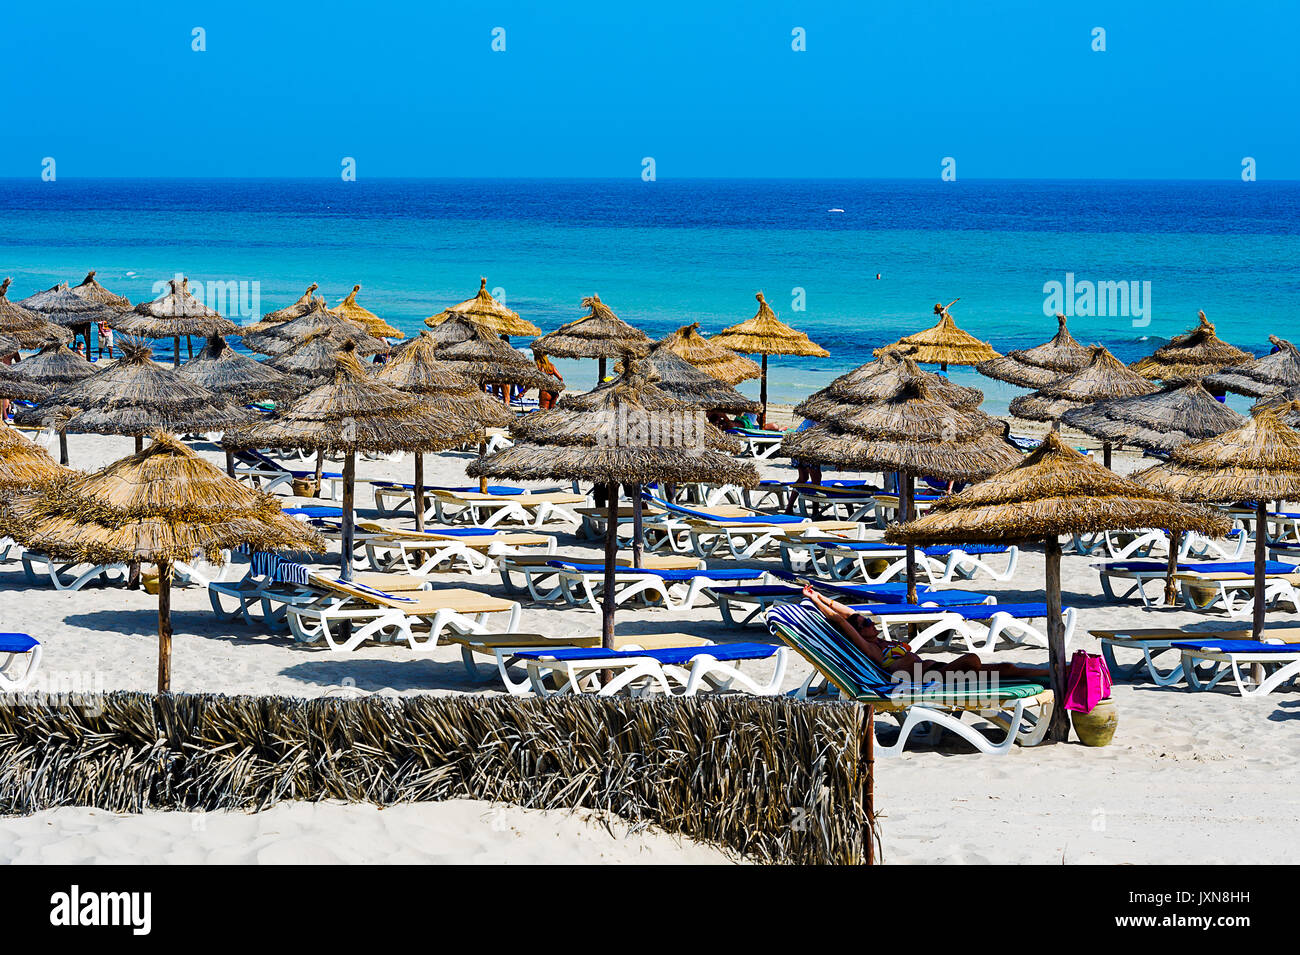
(1190, 778)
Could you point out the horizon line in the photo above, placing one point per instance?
(637, 179)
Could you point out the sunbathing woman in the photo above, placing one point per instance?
(895, 657)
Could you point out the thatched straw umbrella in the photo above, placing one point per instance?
(64, 306)
(1191, 356)
(304, 304)
(414, 369)
(690, 385)
(92, 291)
(599, 334)
(136, 396)
(1054, 491)
(56, 367)
(19, 387)
(878, 380)
(1258, 461)
(1040, 365)
(620, 442)
(486, 311)
(765, 335)
(25, 465)
(1261, 377)
(372, 323)
(175, 315)
(451, 331)
(483, 357)
(160, 505)
(280, 338)
(29, 329)
(909, 432)
(944, 344)
(1102, 379)
(712, 359)
(349, 413)
(9, 346)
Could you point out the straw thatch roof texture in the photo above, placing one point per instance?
(1191, 356)
(299, 308)
(164, 503)
(1053, 491)
(486, 311)
(175, 314)
(712, 359)
(414, 368)
(30, 329)
(765, 334)
(372, 323)
(25, 464)
(1040, 365)
(92, 291)
(1263, 376)
(282, 337)
(598, 334)
(878, 380)
(485, 358)
(690, 385)
(1157, 422)
(20, 388)
(944, 344)
(56, 366)
(1103, 378)
(226, 372)
(1259, 460)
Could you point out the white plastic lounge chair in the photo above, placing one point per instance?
(753, 600)
(1023, 711)
(70, 575)
(583, 585)
(476, 550)
(980, 626)
(676, 671)
(760, 444)
(888, 504)
(1151, 643)
(1207, 663)
(530, 509)
(393, 497)
(1282, 527)
(538, 575)
(1147, 544)
(848, 500)
(20, 656)
(387, 616)
(876, 562)
(1231, 585)
(265, 473)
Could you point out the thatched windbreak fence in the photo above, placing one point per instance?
(775, 780)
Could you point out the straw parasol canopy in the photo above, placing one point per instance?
(175, 315)
(878, 380)
(299, 308)
(712, 359)
(1040, 365)
(137, 396)
(63, 306)
(314, 355)
(691, 386)
(1191, 356)
(1257, 461)
(57, 366)
(486, 311)
(282, 337)
(224, 371)
(29, 329)
(452, 331)
(1261, 377)
(1159, 421)
(372, 323)
(92, 291)
(25, 465)
(485, 358)
(352, 412)
(944, 343)
(618, 441)
(20, 387)
(765, 335)
(414, 369)
(1053, 491)
(9, 346)
(598, 334)
(160, 505)
(1103, 378)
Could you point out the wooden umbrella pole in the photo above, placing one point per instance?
(189, 347)
(1058, 730)
(482, 451)
(762, 392)
(320, 468)
(176, 352)
(419, 491)
(600, 370)
(230, 463)
(611, 558)
(63, 448)
(349, 519)
(1261, 553)
(1172, 567)
(638, 543)
(905, 510)
(164, 626)
(139, 443)
(1105, 453)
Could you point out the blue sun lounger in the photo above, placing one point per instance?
(849, 559)
(392, 497)
(583, 584)
(1206, 663)
(753, 599)
(267, 474)
(1142, 572)
(1023, 710)
(688, 669)
(980, 626)
(20, 655)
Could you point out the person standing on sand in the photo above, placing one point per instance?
(546, 399)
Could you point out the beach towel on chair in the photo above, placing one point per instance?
(1088, 682)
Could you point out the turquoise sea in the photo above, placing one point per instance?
(666, 253)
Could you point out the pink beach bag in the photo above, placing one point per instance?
(1087, 683)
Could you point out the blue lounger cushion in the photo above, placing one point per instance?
(314, 510)
(679, 574)
(976, 612)
(672, 656)
(492, 488)
(896, 593)
(1238, 646)
(761, 590)
(17, 643)
(938, 550)
(1205, 566)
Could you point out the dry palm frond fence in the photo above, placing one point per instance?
(778, 781)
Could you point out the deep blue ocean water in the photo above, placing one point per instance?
(666, 253)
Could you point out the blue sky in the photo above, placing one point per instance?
(583, 89)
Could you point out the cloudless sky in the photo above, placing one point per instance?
(1185, 89)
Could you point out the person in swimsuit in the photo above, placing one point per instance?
(895, 657)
